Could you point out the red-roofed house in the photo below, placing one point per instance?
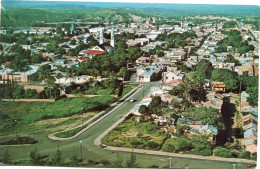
(6, 64)
(95, 51)
(66, 37)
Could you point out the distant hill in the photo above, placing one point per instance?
(183, 9)
(28, 13)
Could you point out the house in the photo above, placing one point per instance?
(156, 91)
(218, 86)
(167, 87)
(248, 134)
(209, 129)
(215, 103)
(23, 77)
(145, 76)
(5, 65)
(169, 76)
(142, 60)
(251, 148)
(96, 50)
(172, 129)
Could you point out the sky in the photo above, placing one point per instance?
(233, 2)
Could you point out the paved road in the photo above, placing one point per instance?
(47, 146)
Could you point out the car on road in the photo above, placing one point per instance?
(132, 100)
(102, 146)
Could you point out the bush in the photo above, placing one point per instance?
(254, 156)
(246, 155)
(177, 145)
(222, 152)
(20, 140)
(202, 148)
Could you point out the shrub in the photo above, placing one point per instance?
(177, 144)
(246, 155)
(20, 140)
(222, 152)
(254, 156)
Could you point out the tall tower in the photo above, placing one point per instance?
(112, 42)
(101, 38)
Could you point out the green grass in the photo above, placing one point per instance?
(126, 90)
(136, 135)
(30, 112)
(69, 133)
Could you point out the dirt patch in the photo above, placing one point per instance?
(130, 133)
(53, 125)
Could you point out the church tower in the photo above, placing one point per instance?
(112, 42)
(101, 38)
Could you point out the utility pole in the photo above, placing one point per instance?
(170, 162)
(82, 117)
(15, 122)
(81, 150)
(240, 96)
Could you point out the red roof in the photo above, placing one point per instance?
(94, 52)
(176, 81)
(6, 63)
(66, 37)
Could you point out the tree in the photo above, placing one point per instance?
(59, 76)
(144, 111)
(206, 115)
(231, 59)
(204, 68)
(35, 156)
(131, 162)
(155, 105)
(57, 159)
(229, 77)
(18, 93)
(73, 42)
(7, 157)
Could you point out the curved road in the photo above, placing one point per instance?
(91, 152)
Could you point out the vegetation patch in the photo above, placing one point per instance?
(18, 116)
(69, 133)
(20, 140)
(132, 134)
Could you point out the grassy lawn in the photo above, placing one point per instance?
(136, 135)
(30, 116)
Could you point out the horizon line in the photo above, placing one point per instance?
(198, 2)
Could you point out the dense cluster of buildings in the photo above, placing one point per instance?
(154, 67)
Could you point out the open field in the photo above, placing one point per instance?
(32, 116)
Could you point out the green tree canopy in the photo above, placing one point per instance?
(204, 69)
(229, 77)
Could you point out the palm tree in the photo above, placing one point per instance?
(59, 76)
(185, 87)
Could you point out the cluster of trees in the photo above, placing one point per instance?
(230, 24)
(231, 59)
(155, 107)
(198, 145)
(250, 84)
(206, 115)
(20, 92)
(230, 78)
(176, 40)
(234, 39)
(192, 88)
